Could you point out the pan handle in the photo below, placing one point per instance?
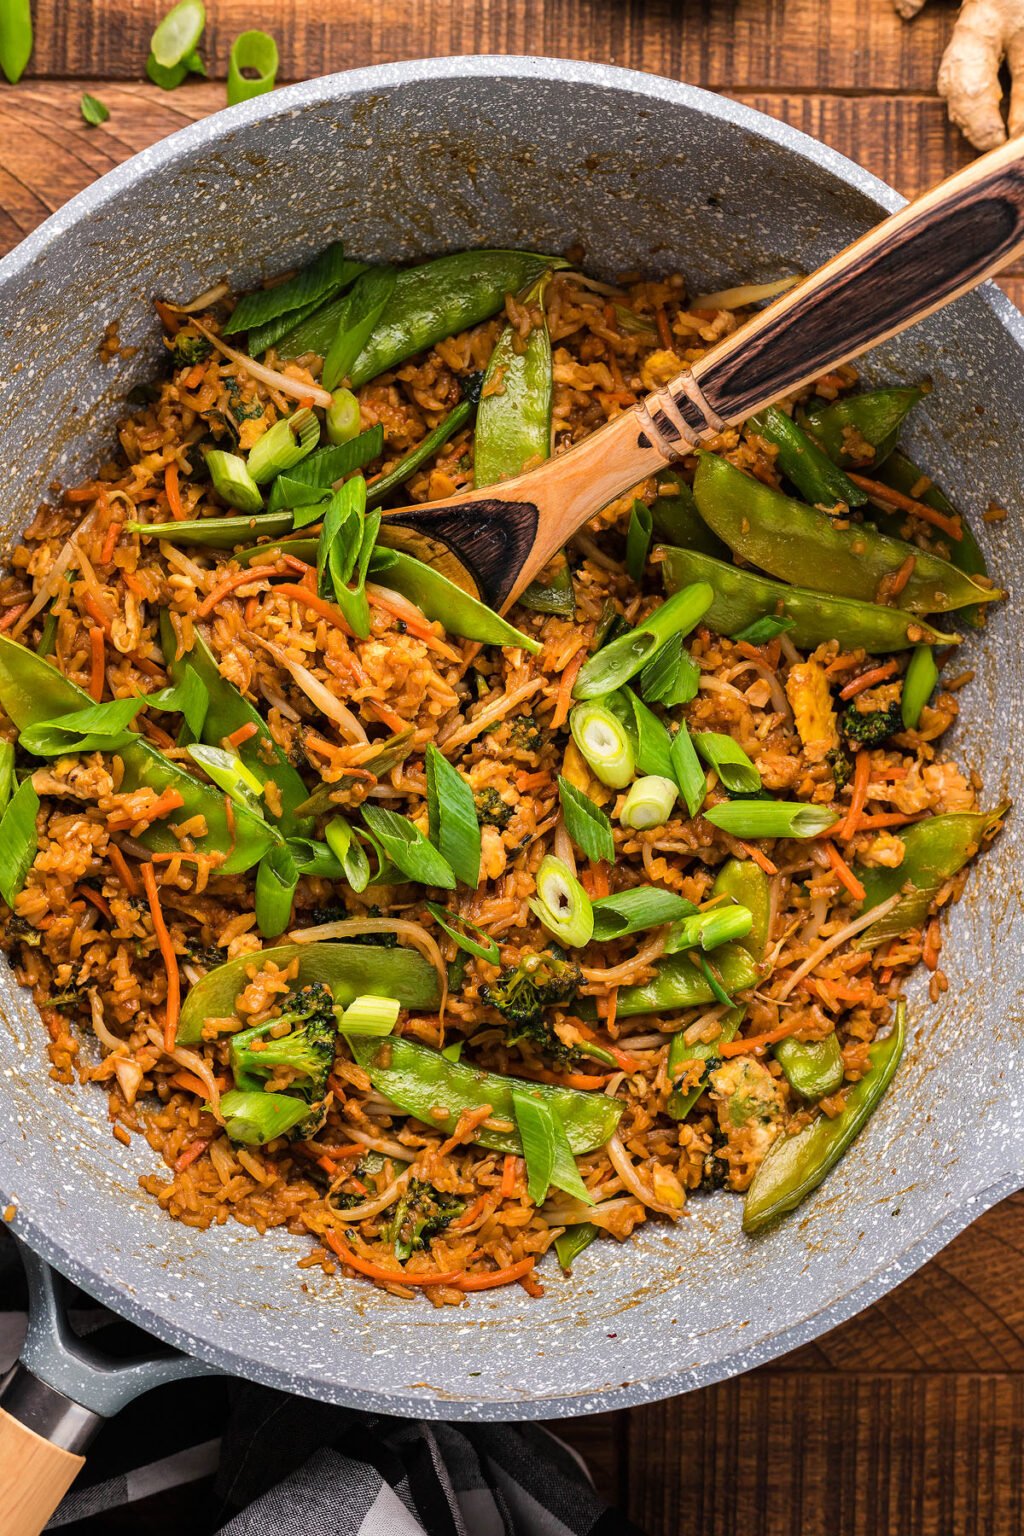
(56, 1398)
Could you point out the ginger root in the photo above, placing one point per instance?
(986, 33)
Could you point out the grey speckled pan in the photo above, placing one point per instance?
(643, 173)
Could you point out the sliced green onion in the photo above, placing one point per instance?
(315, 858)
(653, 743)
(19, 842)
(257, 52)
(408, 849)
(343, 552)
(370, 1015)
(488, 950)
(621, 659)
(672, 676)
(561, 904)
(536, 1125)
(167, 79)
(104, 727)
(638, 539)
(762, 630)
(283, 445)
(918, 685)
(230, 774)
(232, 481)
(178, 34)
(586, 823)
(15, 38)
(454, 1051)
(425, 449)
(686, 769)
(645, 906)
(93, 110)
(714, 981)
(706, 930)
(770, 818)
(451, 812)
(604, 743)
(48, 635)
(314, 283)
(325, 469)
(729, 761)
(342, 419)
(276, 879)
(572, 1242)
(349, 852)
(556, 595)
(256, 1118)
(360, 313)
(6, 773)
(650, 803)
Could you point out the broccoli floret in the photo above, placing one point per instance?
(872, 727)
(420, 1215)
(188, 350)
(308, 1049)
(472, 384)
(21, 930)
(841, 767)
(522, 992)
(337, 912)
(207, 955)
(492, 810)
(241, 409)
(525, 733)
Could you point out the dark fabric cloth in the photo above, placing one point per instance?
(236, 1459)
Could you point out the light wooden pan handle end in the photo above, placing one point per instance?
(34, 1477)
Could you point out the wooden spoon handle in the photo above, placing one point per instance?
(911, 264)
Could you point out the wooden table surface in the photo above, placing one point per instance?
(908, 1419)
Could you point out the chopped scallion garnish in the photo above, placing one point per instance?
(633, 911)
(18, 840)
(178, 34)
(349, 852)
(451, 809)
(762, 630)
(686, 770)
(604, 742)
(706, 930)
(252, 67)
(488, 950)
(276, 879)
(232, 480)
(363, 307)
(6, 773)
(321, 278)
(672, 676)
(638, 539)
(283, 445)
(230, 774)
(407, 848)
(730, 762)
(621, 659)
(93, 110)
(342, 420)
(770, 818)
(561, 904)
(650, 802)
(586, 823)
(370, 1015)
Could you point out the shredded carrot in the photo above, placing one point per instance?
(300, 567)
(932, 945)
(168, 319)
(599, 873)
(902, 576)
(98, 901)
(304, 595)
(829, 991)
(563, 701)
(581, 1080)
(664, 332)
(611, 1008)
(189, 1082)
(858, 795)
(98, 614)
(121, 869)
(173, 493)
(167, 954)
(420, 628)
(844, 873)
(167, 801)
(192, 1151)
(896, 499)
(97, 643)
(221, 591)
(328, 1165)
(472, 1212)
(385, 715)
(760, 859)
(508, 1176)
(110, 542)
(758, 1042)
(243, 734)
(538, 780)
(498, 1276)
(844, 662)
(194, 376)
(887, 819)
(12, 615)
(133, 583)
(868, 680)
(362, 1266)
(626, 1062)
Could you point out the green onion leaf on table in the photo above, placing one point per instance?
(252, 67)
(729, 761)
(451, 812)
(15, 38)
(770, 818)
(370, 1016)
(488, 950)
(177, 35)
(586, 823)
(561, 904)
(18, 841)
(633, 911)
(93, 110)
(408, 849)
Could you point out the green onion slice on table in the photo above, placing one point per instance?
(252, 67)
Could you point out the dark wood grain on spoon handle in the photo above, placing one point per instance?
(905, 268)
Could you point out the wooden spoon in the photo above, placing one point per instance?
(493, 542)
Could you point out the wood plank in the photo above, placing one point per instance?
(735, 44)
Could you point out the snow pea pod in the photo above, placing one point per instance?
(802, 545)
(813, 1068)
(795, 1165)
(442, 600)
(226, 712)
(513, 426)
(934, 850)
(965, 553)
(32, 691)
(350, 970)
(679, 984)
(874, 417)
(217, 532)
(742, 596)
(437, 1091)
(809, 467)
(745, 883)
(677, 521)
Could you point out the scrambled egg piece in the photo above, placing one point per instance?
(808, 694)
(750, 1109)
